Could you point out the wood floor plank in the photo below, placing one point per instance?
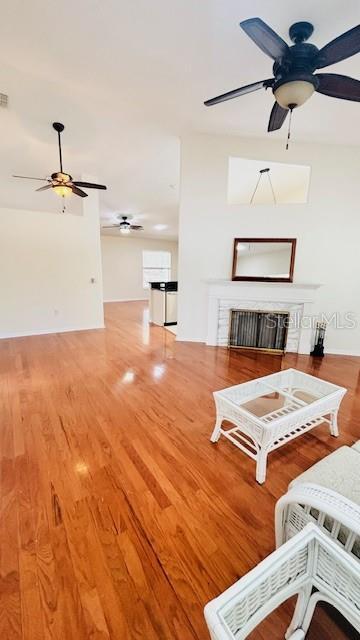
(29, 583)
(10, 602)
(119, 519)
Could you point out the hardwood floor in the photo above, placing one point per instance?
(119, 519)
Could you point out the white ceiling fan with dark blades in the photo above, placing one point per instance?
(61, 182)
(294, 80)
(124, 225)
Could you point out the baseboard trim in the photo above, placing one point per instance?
(330, 351)
(184, 339)
(341, 352)
(46, 332)
(127, 300)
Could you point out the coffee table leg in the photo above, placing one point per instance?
(217, 429)
(334, 430)
(261, 466)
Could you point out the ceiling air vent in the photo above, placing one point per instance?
(3, 100)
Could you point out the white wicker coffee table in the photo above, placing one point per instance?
(270, 411)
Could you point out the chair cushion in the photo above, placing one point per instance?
(356, 446)
(339, 471)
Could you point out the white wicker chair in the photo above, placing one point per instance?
(328, 495)
(311, 566)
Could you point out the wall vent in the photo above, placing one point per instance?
(3, 100)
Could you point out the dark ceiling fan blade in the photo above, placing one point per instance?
(239, 92)
(136, 227)
(30, 178)
(112, 226)
(266, 39)
(337, 86)
(78, 192)
(277, 117)
(342, 47)
(89, 185)
(47, 186)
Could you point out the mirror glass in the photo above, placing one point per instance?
(263, 260)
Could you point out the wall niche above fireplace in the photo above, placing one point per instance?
(264, 259)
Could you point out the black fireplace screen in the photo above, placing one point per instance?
(258, 329)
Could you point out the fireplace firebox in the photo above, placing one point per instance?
(260, 330)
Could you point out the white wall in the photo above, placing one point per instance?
(122, 265)
(47, 261)
(327, 227)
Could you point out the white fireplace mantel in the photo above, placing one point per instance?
(295, 297)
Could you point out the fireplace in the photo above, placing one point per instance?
(293, 298)
(261, 330)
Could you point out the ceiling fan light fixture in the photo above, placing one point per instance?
(124, 230)
(293, 94)
(62, 190)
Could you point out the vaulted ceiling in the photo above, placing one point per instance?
(128, 78)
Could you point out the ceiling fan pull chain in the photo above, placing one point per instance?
(289, 131)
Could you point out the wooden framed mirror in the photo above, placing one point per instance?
(264, 259)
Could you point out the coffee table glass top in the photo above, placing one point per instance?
(274, 396)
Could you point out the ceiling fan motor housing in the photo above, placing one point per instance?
(298, 64)
(124, 222)
(61, 177)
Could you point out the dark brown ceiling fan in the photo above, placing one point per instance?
(125, 226)
(294, 80)
(62, 183)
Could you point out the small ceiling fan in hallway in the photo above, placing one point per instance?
(124, 225)
(60, 182)
(294, 79)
